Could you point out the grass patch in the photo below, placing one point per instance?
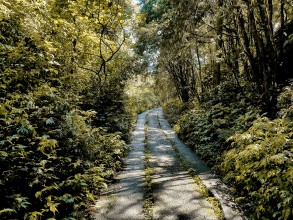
(149, 171)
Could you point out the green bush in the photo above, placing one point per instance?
(206, 131)
(259, 165)
(53, 164)
(285, 99)
(252, 152)
(173, 110)
(205, 126)
(53, 160)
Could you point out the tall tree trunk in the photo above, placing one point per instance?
(270, 3)
(199, 71)
(219, 45)
(281, 33)
(184, 90)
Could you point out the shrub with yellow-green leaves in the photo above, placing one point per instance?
(260, 165)
(206, 131)
(52, 162)
(173, 110)
(252, 152)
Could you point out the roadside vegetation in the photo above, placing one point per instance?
(252, 152)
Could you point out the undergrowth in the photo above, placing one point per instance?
(62, 133)
(252, 152)
(52, 163)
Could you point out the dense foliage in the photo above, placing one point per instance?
(252, 152)
(71, 84)
(64, 113)
(260, 166)
(202, 44)
(53, 164)
(140, 93)
(206, 128)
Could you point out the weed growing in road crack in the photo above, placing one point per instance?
(149, 171)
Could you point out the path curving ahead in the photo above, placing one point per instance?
(175, 193)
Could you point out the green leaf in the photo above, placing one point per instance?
(53, 207)
(3, 154)
(33, 215)
(50, 121)
(23, 130)
(2, 211)
(287, 213)
(117, 151)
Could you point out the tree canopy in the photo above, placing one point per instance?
(205, 43)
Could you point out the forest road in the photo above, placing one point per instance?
(176, 195)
